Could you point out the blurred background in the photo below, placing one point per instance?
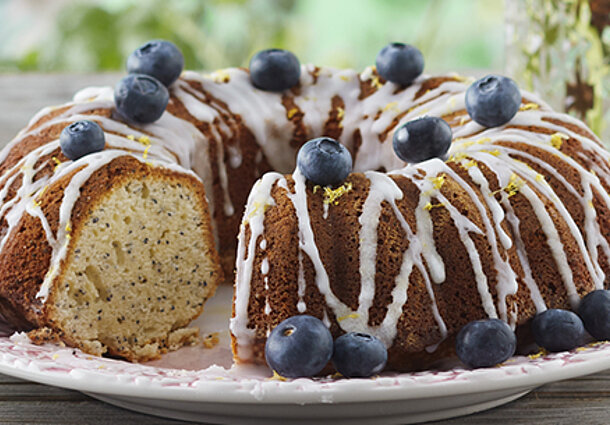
(559, 48)
(68, 35)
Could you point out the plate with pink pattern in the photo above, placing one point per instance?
(202, 384)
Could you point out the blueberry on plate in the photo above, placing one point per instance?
(399, 63)
(594, 310)
(558, 330)
(324, 161)
(300, 346)
(275, 70)
(158, 58)
(485, 343)
(422, 139)
(141, 98)
(358, 355)
(81, 138)
(493, 100)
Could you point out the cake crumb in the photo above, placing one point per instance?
(211, 340)
(45, 335)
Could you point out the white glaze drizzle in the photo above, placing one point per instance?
(372, 116)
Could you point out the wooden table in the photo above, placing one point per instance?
(579, 401)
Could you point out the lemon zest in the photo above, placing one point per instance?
(467, 143)
(438, 181)
(469, 164)
(256, 210)
(557, 139)
(291, 113)
(221, 76)
(145, 140)
(277, 377)
(145, 154)
(57, 163)
(529, 106)
(463, 79)
(348, 316)
(495, 152)
(375, 82)
(391, 105)
(44, 189)
(458, 156)
(512, 188)
(429, 206)
(340, 113)
(331, 196)
(539, 354)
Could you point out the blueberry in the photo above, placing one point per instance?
(493, 100)
(422, 139)
(275, 70)
(399, 63)
(141, 98)
(324, 161)
(358, 355)
(157, 58)
(557, 330)
(485, 343)
(81, 138)
(594, 310)
(300, 346)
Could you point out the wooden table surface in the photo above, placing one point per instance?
(583, 400)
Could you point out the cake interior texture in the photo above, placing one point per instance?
(138, 272)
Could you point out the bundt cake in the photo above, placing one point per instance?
(513, 222)
(116, 251)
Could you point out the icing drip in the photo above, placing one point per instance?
(259, 200)
(301, 285)
(308, 245)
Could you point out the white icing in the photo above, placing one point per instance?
(260, 198)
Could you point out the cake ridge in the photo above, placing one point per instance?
(534, 135)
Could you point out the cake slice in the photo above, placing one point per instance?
(126, 273)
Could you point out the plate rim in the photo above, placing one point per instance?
(309, 391)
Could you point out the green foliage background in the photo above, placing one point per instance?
(98, 35)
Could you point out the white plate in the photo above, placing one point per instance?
(200, 384)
